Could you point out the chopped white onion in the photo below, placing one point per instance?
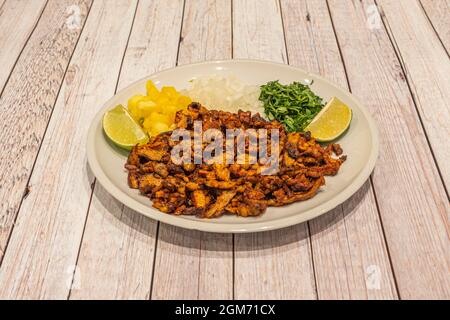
(225, 93)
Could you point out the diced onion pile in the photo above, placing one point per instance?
(225, 93)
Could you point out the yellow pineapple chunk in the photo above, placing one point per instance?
(152, 91)
(158, 127)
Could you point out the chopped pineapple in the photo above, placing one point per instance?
(171, 110)
(152, 91)
(160, 117)
(162, 99)
(170, 91)
(133, 105)
(183, 101)
(158, 127)
(156, 111)
(146, 108)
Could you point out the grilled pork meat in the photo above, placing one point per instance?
(211, 190)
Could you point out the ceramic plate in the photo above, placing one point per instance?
(360, 144)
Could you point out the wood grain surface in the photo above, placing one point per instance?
(31, 92)
(423, 58)
(405, 179)
(261, 271)
(45, 242)
(62, 236)
(121, 265)
(191, 264)
(342, 270)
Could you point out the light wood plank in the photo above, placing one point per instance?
(438, 13)
(153, 42)
(347, 242)
(411, 198)
(192, 264)
(350, 256)
(427, 70)
(43, 248)
(183, 249)
(277, 264)
(116, 257)
(15, 31)
(206, 33)
(258, 30)
(31, 93)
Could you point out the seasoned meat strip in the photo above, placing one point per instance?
(211, 190)
(220, 204)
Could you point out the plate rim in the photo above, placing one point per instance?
(204, 225)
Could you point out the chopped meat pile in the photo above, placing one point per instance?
(211, 190)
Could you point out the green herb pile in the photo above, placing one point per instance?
(294, 105)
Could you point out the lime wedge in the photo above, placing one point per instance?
(122, 129)
(331, 121)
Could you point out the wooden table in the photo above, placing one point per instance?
(62, 236)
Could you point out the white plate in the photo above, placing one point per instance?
(360, 144)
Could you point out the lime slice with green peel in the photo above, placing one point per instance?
(122, 129)
(331, 121)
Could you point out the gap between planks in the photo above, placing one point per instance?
(442, 166)
(130, 243)
(319, 24)
(438, 19)
(6, 237)
(158, 223)
(95, 180)
(8, 67)
(413, 238)
(205, 35)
